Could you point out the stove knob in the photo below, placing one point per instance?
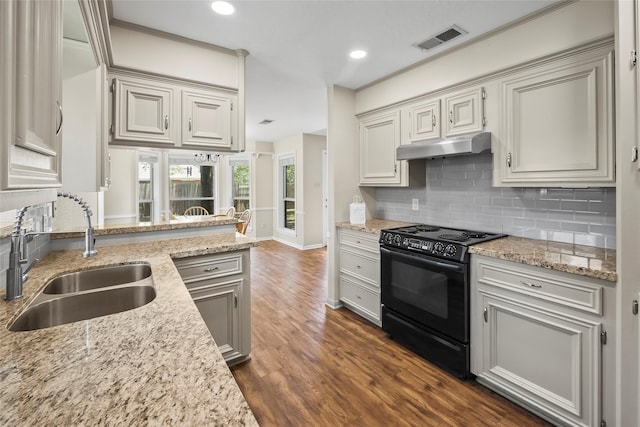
(450, 251)
(438, 248)
(397, 239)
(388, 237)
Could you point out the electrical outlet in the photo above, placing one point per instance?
(415, 204)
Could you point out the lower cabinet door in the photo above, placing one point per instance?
(549, 361)
(219, 308)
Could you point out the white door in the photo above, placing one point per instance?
(325, 198)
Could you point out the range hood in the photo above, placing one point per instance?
(460, 145)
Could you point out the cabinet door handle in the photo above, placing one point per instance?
(451, 117)
(433, 120)
(210, 269)
(189, 124)
(61, 118)
(358, 267)
(166, 122)
(531, 285)
(235, 301)
(508, 160)
(485, 314)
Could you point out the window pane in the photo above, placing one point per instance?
(290, 181)
(290, 214)
(240, 181)
(145, 191)
(179, 206)
(144, 211)
(189, 181)
(241, 204)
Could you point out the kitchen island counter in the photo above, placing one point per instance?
(154, 365)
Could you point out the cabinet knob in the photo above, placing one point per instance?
(166, 122)
(235, 301)
(189, 124)
(508, 160)
(485, 314)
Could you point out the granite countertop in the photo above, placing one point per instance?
(598, 263)
(174, 224)
(373, 226)
(154, 365)
(588, 261)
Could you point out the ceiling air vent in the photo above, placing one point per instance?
(444, 36)
(265, 122)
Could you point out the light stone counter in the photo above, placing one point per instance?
(373, 226)
(587, 261)
(154, 365)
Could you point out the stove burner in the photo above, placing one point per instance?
(455, 237)
(423, 227)
(475, 234)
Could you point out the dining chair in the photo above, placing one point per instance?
(245, 218)
(196, 210)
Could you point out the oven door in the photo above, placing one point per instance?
(430, 291)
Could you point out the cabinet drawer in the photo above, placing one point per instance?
(361, 266)
(208, 266)
(551, 287)
(360, 297)
(363, 241)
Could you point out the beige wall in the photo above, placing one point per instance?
(343, 175)
(559, 29)
(120, 199)
(171, 57)
(312, 147)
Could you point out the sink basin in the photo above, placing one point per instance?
(82, 306)
(98, 278)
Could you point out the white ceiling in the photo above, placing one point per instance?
(298, 48)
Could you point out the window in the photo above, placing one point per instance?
(147, 178)
(240, 179)
(287, 184)
(190, 184)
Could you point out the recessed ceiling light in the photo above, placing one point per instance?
(222, 7)
(358, 54)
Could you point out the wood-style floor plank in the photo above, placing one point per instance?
(314, 366)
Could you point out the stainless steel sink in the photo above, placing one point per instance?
(82, 306)
(98, 278)
(87, 294)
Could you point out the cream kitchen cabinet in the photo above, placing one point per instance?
(464, 113)
(558, 123)
(539, 337)
(157, 113)
(86, 162)
(360, 273)
(380, 135)
(220, 287)
(31, 94)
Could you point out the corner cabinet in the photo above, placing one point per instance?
(156, 113)
(558, 122)
(220, 287)
(360, 273)
(31, 94)
(380, 136)
(539, 337)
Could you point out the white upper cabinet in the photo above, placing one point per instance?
(149, 112)
(424, 118)
(31, 94)
(557, 122)
(144, 112)
(379, 138)
(207, 119)
(465, 112)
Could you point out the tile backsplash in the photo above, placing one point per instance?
(39, 217)
(459, 194)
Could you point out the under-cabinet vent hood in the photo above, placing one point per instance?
(460, 145)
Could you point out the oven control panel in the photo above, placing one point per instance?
(420, 245)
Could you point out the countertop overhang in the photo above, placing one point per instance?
(154, 365)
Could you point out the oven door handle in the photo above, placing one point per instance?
(443, 265)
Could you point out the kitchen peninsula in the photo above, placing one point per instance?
(156, 364)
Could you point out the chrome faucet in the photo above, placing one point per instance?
(18, 255)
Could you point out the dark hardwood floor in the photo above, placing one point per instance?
(315, 366)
